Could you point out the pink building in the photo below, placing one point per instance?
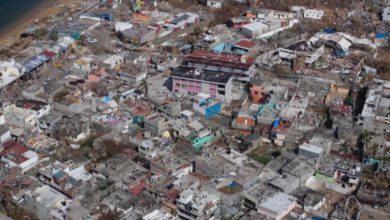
(214, 83)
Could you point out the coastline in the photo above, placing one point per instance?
(44, 9)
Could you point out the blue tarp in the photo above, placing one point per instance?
(329, 30)
(106, 99)
(213, 110)
(35, 62)
(276, 123)
(381, 35)
(318, 218)
(340, 53)
(105, 16)
(234, 184)
(219, 48)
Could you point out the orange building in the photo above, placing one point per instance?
(257, 92)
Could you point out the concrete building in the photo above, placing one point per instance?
(114, 61)
(337, 174)
(310, 151)
(214, 83)
(74, 127)
(379, 4)
(46, 203)
(121, 201)
(196, 203)
(181, 21)
(64, 177)
(215, 3)
(386, 14)
(309, 200)
(256, 29)
(244, 121)
(5, 133)
(206, 105)
(159, 214)
(25, 119)
(313, 14)
(156, 123)
(121, 26)
(40, 108)
(277, 206)
(138, 35)
(285, 183)
(239, 65)
(266, 28)
(10, 72)
(15, 154)
(46, 124)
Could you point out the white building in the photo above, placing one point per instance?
(121, 26)
(386, 14)
(311, 151)
(266, 28)
(195, 203)
(9, 72)
(84, 64)
(159, 214)
(15, 154)
(5, 133)
(254, 29)
(214, 3)
(277, 206)
(313, 14)
(18, 117)
(182, 20)
(114, 61)
(40, 108)
(46, 203)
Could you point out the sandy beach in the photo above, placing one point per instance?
(45, 9)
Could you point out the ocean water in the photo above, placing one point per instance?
(12, 10)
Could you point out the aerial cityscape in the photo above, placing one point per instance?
(195, 109)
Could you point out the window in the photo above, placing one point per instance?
(178, 84)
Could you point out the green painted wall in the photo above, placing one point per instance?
(326, 179)
(200, 141)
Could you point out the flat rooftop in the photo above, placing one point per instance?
(278, 203)
(220, 59)
(201, 75)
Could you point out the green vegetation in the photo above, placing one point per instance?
(261, 158)
(348, 101)
(40, 33)
(87, 143)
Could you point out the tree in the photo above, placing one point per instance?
(374, 149)
(348, 101)
(202, 2)
(197, 31)
(40, 33)
(54, 36)
(229, 9)
(365, 137)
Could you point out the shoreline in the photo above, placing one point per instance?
(44, 9)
